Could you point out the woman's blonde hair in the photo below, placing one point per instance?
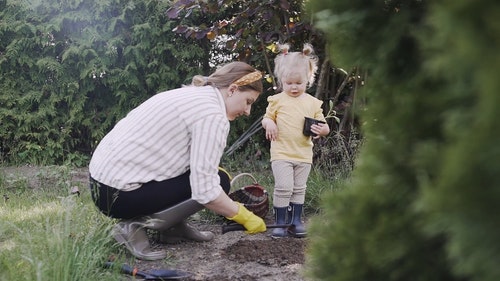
(229, 74)
(305, 63)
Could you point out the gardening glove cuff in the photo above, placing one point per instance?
(252, 223)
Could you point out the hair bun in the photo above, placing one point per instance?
(307, 50)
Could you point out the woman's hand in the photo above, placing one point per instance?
(235, 211)
(252, 223)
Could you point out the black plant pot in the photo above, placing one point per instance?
(307, 126)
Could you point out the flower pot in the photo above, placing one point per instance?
(308, 122)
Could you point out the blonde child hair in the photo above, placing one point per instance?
(304, 63)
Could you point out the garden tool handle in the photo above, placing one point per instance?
(127, 269)
(239, 227)
(153, 274)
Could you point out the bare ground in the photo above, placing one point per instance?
(230, 256)
(236, 256)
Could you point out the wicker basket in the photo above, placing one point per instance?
(254, 197)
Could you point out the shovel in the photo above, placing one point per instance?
(239, 227)
(154, 274)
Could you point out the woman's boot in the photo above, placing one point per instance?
(133, 235)
(171, 225)
(297, 229)
(183, 232)
(280, 218)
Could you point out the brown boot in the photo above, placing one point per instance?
(183, 232)
(133, 235)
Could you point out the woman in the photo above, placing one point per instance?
(159, 164)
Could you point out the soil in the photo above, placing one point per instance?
(235, 256)
(231, 256)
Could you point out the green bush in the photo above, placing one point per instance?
(70, 69)
(422, 201)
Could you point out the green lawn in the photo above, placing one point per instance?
(47, 233)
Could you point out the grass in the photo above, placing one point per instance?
(48, 234)
(324, 177)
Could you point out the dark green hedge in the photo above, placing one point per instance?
(423, 200)
(70, 69)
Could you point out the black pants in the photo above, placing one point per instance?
(152, 197)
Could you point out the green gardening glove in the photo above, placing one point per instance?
(252, 223)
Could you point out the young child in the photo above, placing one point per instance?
(291, 150)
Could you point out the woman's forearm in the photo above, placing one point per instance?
(223, 205)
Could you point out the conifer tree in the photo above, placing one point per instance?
(421, 204)
(70, 69)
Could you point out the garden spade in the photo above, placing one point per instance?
(239, 227)
(153, 274)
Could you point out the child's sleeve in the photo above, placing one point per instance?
(318, 114)
(272, 108)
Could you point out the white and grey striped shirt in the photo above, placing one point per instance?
(162, 138)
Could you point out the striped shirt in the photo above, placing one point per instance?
(170, 133)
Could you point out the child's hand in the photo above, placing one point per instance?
(320, 130)
(271, 131)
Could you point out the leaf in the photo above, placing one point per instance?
(173, 12)
(239, 32)
(187, 3)
(180, 29)
(222, 23)
(188, 13)
(285, 5)
(200, 34)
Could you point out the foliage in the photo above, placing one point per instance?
(71, 69)
(249, 27)
(248, 31)
(336, 154)
(462, 201)
(422, 201)
(47, 219)
(323, 179)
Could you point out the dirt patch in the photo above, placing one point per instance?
(235, 256)
(276, 252)
(231, 256)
